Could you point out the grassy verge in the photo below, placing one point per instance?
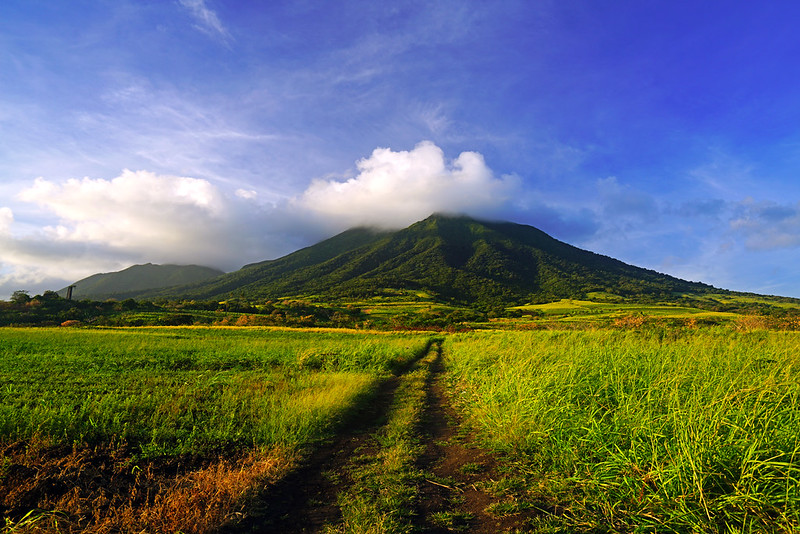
(381, 496)
(642, 430)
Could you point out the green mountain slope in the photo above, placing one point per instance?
(138, 278)
(455, 259)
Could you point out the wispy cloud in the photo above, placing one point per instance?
(207, 20)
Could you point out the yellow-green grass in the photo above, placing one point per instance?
(586, 310)
(749, 299)
(185, 390)
(389, 309)
(656, 430)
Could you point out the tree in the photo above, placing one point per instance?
(20, 296)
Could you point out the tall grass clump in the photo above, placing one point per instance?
(692, 430)
(171, 429)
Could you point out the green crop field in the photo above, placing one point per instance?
(182, 390)
(158, 393)
(630, 428)
(642, 430)
(585, 311)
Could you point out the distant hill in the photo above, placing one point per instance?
(139, 278)
(453, 259)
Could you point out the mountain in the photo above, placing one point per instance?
(452, 258)
(138, 278)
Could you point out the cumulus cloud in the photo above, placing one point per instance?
(105, 225)
(136, 211)
(394, 189)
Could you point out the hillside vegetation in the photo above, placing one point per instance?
(452, 259)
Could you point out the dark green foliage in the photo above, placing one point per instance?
(48, 309)
(20, 297)
(455, 259)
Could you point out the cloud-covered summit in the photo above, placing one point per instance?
(394, 189)
(572, 117)
(98, 224)
(140, 216)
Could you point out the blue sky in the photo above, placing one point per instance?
(218, 132)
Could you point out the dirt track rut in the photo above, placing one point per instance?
(453, 473)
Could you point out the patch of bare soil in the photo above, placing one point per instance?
(453, 497)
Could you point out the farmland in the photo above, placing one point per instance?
(689, 430)
(146, 401)
(624, 427)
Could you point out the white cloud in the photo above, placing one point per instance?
(135, 211)
(434, 118)
(394, 189)
(6, 220)
(104, 225)
(208, 21)
(246, 193)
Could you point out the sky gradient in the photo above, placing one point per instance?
(664, 134)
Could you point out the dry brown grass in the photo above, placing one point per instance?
(630, 321)
(47, 489)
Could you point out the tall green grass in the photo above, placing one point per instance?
(683, 430)
(189, 390)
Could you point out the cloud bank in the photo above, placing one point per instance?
(103, 225)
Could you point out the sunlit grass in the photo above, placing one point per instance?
(180, 390)
(229, 409)
(586, 310)
(692, 429)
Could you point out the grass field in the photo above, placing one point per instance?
(642, 430)
(194, 395)
(622, 429)
(586, 311)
